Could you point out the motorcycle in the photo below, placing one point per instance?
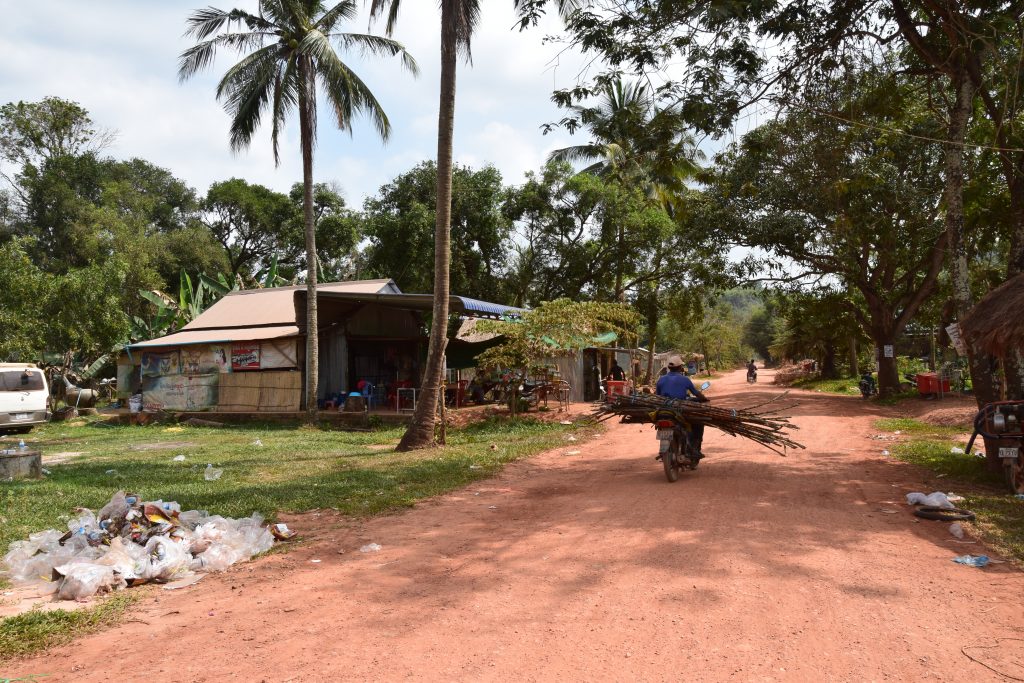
(867, 385)
(678, 449)
(751, 376)
(1002, 424)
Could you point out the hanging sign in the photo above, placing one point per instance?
(889, 351)
(957, 339)
(245, 356)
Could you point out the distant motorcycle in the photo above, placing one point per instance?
(751, 376)
(867, 385)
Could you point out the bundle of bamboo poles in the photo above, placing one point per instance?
(759, 422)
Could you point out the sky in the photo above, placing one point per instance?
(118, 59)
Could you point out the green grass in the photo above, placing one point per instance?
(296, 469)
(40, 629)
(1000, 516)
(846, 387)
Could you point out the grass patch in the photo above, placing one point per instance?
(1000, 516)
(295, 469)
(913, 427)
(845, 387)
(40, 629)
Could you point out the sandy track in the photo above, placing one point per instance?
(592, 566)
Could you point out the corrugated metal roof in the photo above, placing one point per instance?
(274, 305)
(221, 335)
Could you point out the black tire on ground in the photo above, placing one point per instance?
(944, 514)
(669, 461)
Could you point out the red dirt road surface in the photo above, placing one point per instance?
(591, 566)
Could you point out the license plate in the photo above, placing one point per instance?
(665, 434)
(1009, 452)
(21, 416)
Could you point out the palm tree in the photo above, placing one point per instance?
(291, 57)
(634, 144)
(459, 19)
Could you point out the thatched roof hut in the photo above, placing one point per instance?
(996, 323)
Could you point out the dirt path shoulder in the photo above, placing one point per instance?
(591, 566)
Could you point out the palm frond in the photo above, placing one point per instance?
(346, 9)
(347, 93)
(202, 55)
(285, 98)
(377, 45)
(577, 153)
(377, 9)
(246, 89)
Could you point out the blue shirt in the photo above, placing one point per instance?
(675, 385)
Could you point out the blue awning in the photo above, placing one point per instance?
(487, 308)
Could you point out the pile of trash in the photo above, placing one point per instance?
(131, 541)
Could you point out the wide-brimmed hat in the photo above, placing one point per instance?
(675, 362)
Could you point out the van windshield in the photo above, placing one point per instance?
(21, 380)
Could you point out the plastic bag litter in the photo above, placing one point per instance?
(81, 580)
(937, 499)
(178, 458)
(956, 529)
(370, 548)
(972, 560)
(211, 473)
(131, 541)
(956, 450)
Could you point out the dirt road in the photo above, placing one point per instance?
(592, 566)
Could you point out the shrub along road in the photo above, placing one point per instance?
(590, 565)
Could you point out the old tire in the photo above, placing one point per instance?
(944, 514)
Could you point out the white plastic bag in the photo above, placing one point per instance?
(938, 499)
(83, 580)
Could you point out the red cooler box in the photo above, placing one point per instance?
(616, 388)
(928, 383)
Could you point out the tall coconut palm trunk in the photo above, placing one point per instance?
(420, 433)
(307, 102)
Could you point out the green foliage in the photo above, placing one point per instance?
(555, 328)
(22, 288)
(400, 223)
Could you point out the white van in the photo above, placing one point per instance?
(24, 397)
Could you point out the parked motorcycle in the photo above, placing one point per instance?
(867, 385)
(1002, 423)
(678, 449)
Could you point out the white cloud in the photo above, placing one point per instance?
(118, 58)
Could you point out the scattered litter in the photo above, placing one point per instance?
(370, 548)
(46, 471)
(178, 458)
(184, 582)
(474, 467)
(573, 452)
(1019, 496)
(565, 422)
(130, 541)
(111, 472)
(315, 561)
(956, 529)
(953, 498)
(897, 432)
(492, 507)
(956, 450)
(972, 560)
(281, 531)
(257, 443)
(888, 511)
(885, 452)
(938, 499)
(211, 473)
(570, 438)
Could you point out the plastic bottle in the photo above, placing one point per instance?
(22, 446)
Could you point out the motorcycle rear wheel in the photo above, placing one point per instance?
(670, 460)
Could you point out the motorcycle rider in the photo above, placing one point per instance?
(751, 369)
(674, 384)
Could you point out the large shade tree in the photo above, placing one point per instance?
(290, 50)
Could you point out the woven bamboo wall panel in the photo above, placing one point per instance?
(242, 392)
